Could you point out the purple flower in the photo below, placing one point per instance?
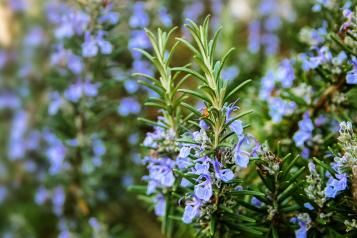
(98, 147)
(74, 63)
(17, 143)
(194, 10)
(93, 222)
(230, 73)
(71, 22)
(129, 106)
(203, 190)
(202, 165)
(18, 5)
(109, 16)
(131, 86)
(334, 186)
(138, 39)
(79, 89)
(160, 174)
(165, 17)
(347, 13)
(323, 56)
(63, 57)
(267, 7)
(272, 23)
(55, 152)
(105, 46)
(89, 46)
(192, 210)
(9, 100)
(34, 37)
(285, 73)
(241, 156)
(56, 102)
(351, 76)
(279, 108)
(320, 120)
(184, 152)
(203, 125)
(58, 199)
(140, 18)
(41, 195)
(256, 202)
(305, 153)
(305, 131)
(222, 174)
(237, 127)
(312, 167)
(160, 205)
(142, 66)
(183, 163)
(308, 206)
(254, 37)
(303, 220)
(271, 43)
(267, 86)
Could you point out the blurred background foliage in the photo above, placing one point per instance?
(69, 144)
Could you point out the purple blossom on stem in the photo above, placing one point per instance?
(56, 102)
(128, 106)
(285, 73)
(58, 200)
(80, 89)
(203, 190)
(305, 130)
(17, 142)
(55, 152)
(222, 174)
(334, 186)
(160, 174)
(351, 76)
(256, 202)
(279, 108)
(108, 16)
(139, 18)
(192, 210)
(66, 58)
(230, 73)
(160, 205)
(254, 36)
(70, 23)
(91, 45)
(303, 220)
(246, 147)
(9, 100)
(165, 17)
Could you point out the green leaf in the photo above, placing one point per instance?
(137, 189)
(196, 94)
(213, 224)
(151, 123)
(294, 177)
(247, 192)
(192, 109)
(191, 72)
(325, 166)
(236, 89)
(153, 87)
(290, 166)
(237, 117)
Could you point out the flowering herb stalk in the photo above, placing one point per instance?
(162, 142)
